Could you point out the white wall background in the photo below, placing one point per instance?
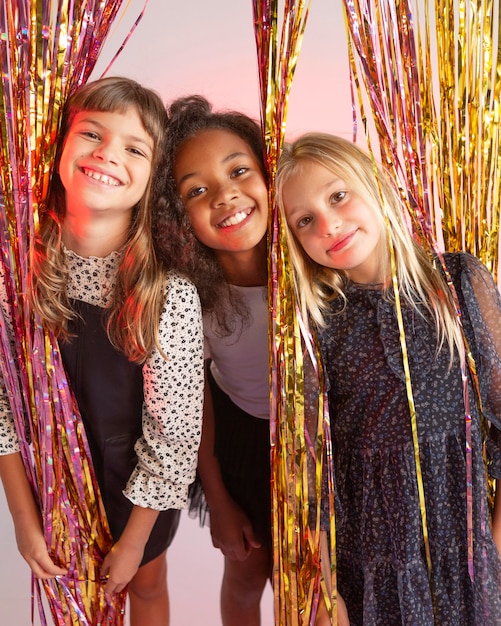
(207, 47)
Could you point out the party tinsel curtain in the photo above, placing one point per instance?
(48, 48)
(300, 433)
(427, 76)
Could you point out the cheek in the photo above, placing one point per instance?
(146, 180)
(304, 242)
(68, 160)
(63, 171)
(198, 224)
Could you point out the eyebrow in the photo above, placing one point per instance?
(132, 138)
(323, 188)
(293, 211)
(230, 157)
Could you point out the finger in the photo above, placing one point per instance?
(112, 587)
(249, 538)
(105, 569)
(44, 567)
(239, 551)
(47, 573)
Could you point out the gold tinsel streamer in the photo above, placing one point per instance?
(430, 70)
(444, 159)
(300, 436)
(48, 48)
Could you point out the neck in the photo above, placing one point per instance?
(247, 268)
(91, 235)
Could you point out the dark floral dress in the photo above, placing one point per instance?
(382, 570)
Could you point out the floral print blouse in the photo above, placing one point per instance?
(173, 387)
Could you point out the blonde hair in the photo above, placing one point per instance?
(138, 294)
(420, 283)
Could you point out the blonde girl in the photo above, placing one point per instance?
(335, 207)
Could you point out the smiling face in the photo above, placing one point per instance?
(106, 162)
(223, 191)
(332, 223)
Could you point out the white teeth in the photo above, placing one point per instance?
(102, 178)
(235, 219)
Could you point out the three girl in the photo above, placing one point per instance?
(130, 336)
(217, 198)
(336, 208)
(98, 283)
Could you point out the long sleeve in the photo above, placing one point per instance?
(483, 305)
(173, 405)
(8, 436)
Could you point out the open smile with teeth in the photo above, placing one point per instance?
(235, 219)
(102, 178)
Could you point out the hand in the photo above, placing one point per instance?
(33, 548)
(232, 531)
(120, 566)
(26, 517)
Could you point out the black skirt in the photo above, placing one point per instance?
(242, 447)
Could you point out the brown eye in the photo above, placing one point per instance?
(304, 221)
(239, 171)
(196, 191)
(338, 197)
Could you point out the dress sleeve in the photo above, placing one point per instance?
(8, 436)
(173, 402)
(483, 302)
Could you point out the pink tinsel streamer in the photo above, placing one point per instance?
(48, 49)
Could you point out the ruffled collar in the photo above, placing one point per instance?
(91, 279)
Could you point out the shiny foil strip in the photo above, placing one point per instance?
(430, 76)
(301, 454)
(48, 49)
(429, 73)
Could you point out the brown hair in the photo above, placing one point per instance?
(138, 293)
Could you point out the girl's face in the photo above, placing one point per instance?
(335, 227)
(106, 161)
(223, 190)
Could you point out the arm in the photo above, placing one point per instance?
(122, 562)
(173, 403)
(172, 415)
(20, 499)
(231, 531)
(483, 303)
(26, 517)
(496, 520)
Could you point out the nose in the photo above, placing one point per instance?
(224, 193)
(106, 151)
(327, 224)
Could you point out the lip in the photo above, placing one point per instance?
(236, 218)
(342, 242)
(100, 177)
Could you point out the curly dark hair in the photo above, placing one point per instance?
(189, 116)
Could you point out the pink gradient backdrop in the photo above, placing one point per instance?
(208, 47)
